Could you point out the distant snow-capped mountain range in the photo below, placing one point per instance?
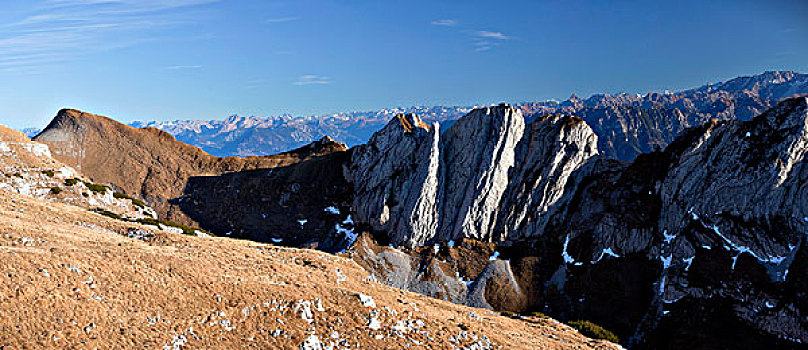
(626, 124)
(246, 136)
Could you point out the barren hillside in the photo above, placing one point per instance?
(149, 163)
(74, 279)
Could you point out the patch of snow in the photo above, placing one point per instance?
(374, 323)
(177, 343)
(348, 221)
(748, 134)
(331, 210)
(366, 300)
(451, 243)
(668, 238)
(693, 213)
(302, 222)
(607, 251)
(567, 258)
(350, 235)
(689, 262)
(666, 261)
(436, 248)
(201, 234)
(304, 306)
(276, 240)
(494, 256)
(313, 343)
(171, 229)
(340, 276)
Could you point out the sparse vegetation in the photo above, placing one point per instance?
(510, 314)
(185, 229)
(95, 187)
(17, 175)
(55, 190)
(49, 173)
(156, 222)
(538, 314)
(71, 182)
(107, 213)
(134, 200)
(594, 331)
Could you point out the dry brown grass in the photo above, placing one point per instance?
(69, 279)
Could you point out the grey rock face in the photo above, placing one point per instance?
(419, 186)
(553, 148)
(478, 152)
(746, 182)
(395, 180)
(706, 237)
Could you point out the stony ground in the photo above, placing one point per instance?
(74, 279)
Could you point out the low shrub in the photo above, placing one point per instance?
(95, 187)
(185, 229)
(49, 173)
(510, 314)
(71, 182)
(594, 331)
(55, 190)
(107, 213)
(538, 314)
(134, 200)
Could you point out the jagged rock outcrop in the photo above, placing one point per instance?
(418, 186)
(681, 247)
(395, 179)
(478, 151)
(553, 148)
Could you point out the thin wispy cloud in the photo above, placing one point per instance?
(312, 79)
(58, 30)
(445, 22)
(482, 40)
(282, 19)
(491, 35)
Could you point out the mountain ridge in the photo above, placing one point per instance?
(669, 113)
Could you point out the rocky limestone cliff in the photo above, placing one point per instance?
(679, 248)
(478, 151)
(553, 148)
(394, 180)
(418, 186)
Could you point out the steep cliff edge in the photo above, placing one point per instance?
(681, 247)
(420, 186)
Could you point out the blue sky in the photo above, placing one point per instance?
(207, 59)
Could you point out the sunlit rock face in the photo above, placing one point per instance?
(703, 237)
(420, 186)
